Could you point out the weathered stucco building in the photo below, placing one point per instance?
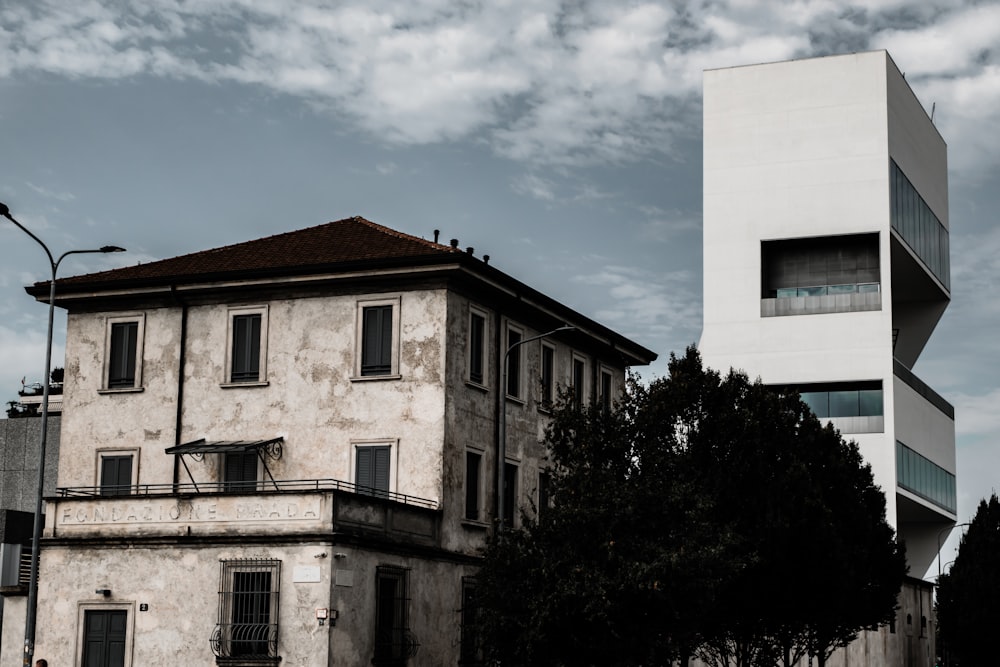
(285, 450)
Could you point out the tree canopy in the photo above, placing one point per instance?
(967, 595)
(703, 515)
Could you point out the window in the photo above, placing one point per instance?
(473, 462)
(579, 381)
(104, 637)
(509, 493)
(844, 399)
(548, 375)
(371, 470)
(116, 474)
(239, 471)
(914, 220)
(921, 476)
(123, 353)
(820, 266)
(378, 339)
(248, 610)
(393, 640)
(544, 497)
(514, 338)
(607, 390)
(246, 362)
(469, 652)
(477, 347)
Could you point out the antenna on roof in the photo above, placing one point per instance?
(933, 108)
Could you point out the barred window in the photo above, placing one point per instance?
(248, 610)
(394, 642)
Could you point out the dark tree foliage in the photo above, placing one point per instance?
(704, 515)
(968, 611)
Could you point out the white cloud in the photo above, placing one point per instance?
(544, 82)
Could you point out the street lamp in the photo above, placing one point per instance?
(501, 464)
(29, 623)
(941, 532)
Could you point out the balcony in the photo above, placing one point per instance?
(290, 507)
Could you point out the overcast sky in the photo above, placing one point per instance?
(562, 139)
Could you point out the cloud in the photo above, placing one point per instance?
(542, 82)
(50, 194)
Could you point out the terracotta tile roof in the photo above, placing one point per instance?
(349, 241)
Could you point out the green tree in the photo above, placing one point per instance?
(705, 513)
(968, 614)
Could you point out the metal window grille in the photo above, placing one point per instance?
(248, 609)
(394, 642)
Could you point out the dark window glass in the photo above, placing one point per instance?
(376, 340)
(239, 471)
(472, 464)
(124, 342)
(548, 370)
(393, 643)
(543, 493)
(579, 378)
(509, 493)
(820, 266)
(606, 391)
(104, 638)
(477, 340)
(116, 475)
(513, 363)
(372, 470)
(470, 653)
(246, 348)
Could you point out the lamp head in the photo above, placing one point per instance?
(4, 211)
(112, 248)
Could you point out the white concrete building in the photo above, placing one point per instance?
(826, 268)
(284, 451)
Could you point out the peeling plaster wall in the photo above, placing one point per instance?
(311, 397)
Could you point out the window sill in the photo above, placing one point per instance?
(477, 386)
(472, 524)
(122, 390)
(234, 385)
(516, 399)
(374, 378)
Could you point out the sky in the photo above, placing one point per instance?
(561, 138)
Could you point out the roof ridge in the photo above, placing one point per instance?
(402, 235)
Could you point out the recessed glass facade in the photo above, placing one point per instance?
(844, 399)
(913, 219)
(921, 476)
(820, 266)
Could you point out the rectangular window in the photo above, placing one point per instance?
(477, 348)
(123, 353)
(371, 472)
(104, 637)
(469, 652)
(607, 390)
(579, 381)
(116, 475)
(239, 471)
(124, 343)
(393, 642)
(246, 348)
(548, 375)
(514, 338)
(378, 339)
(509, 493)
(376, 343)
(473, 462)
(544, 498)
(246, 361)
(248, 610)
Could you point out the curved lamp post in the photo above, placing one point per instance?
(29, 623)
(941, 532)
(501, 464)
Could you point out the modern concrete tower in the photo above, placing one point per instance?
(826, 262)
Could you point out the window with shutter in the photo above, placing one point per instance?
(123, 353)
(376, 350)
(116, 475)
(239, 471)
(372, 469)
(246, 357)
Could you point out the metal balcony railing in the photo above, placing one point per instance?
(242, 488)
